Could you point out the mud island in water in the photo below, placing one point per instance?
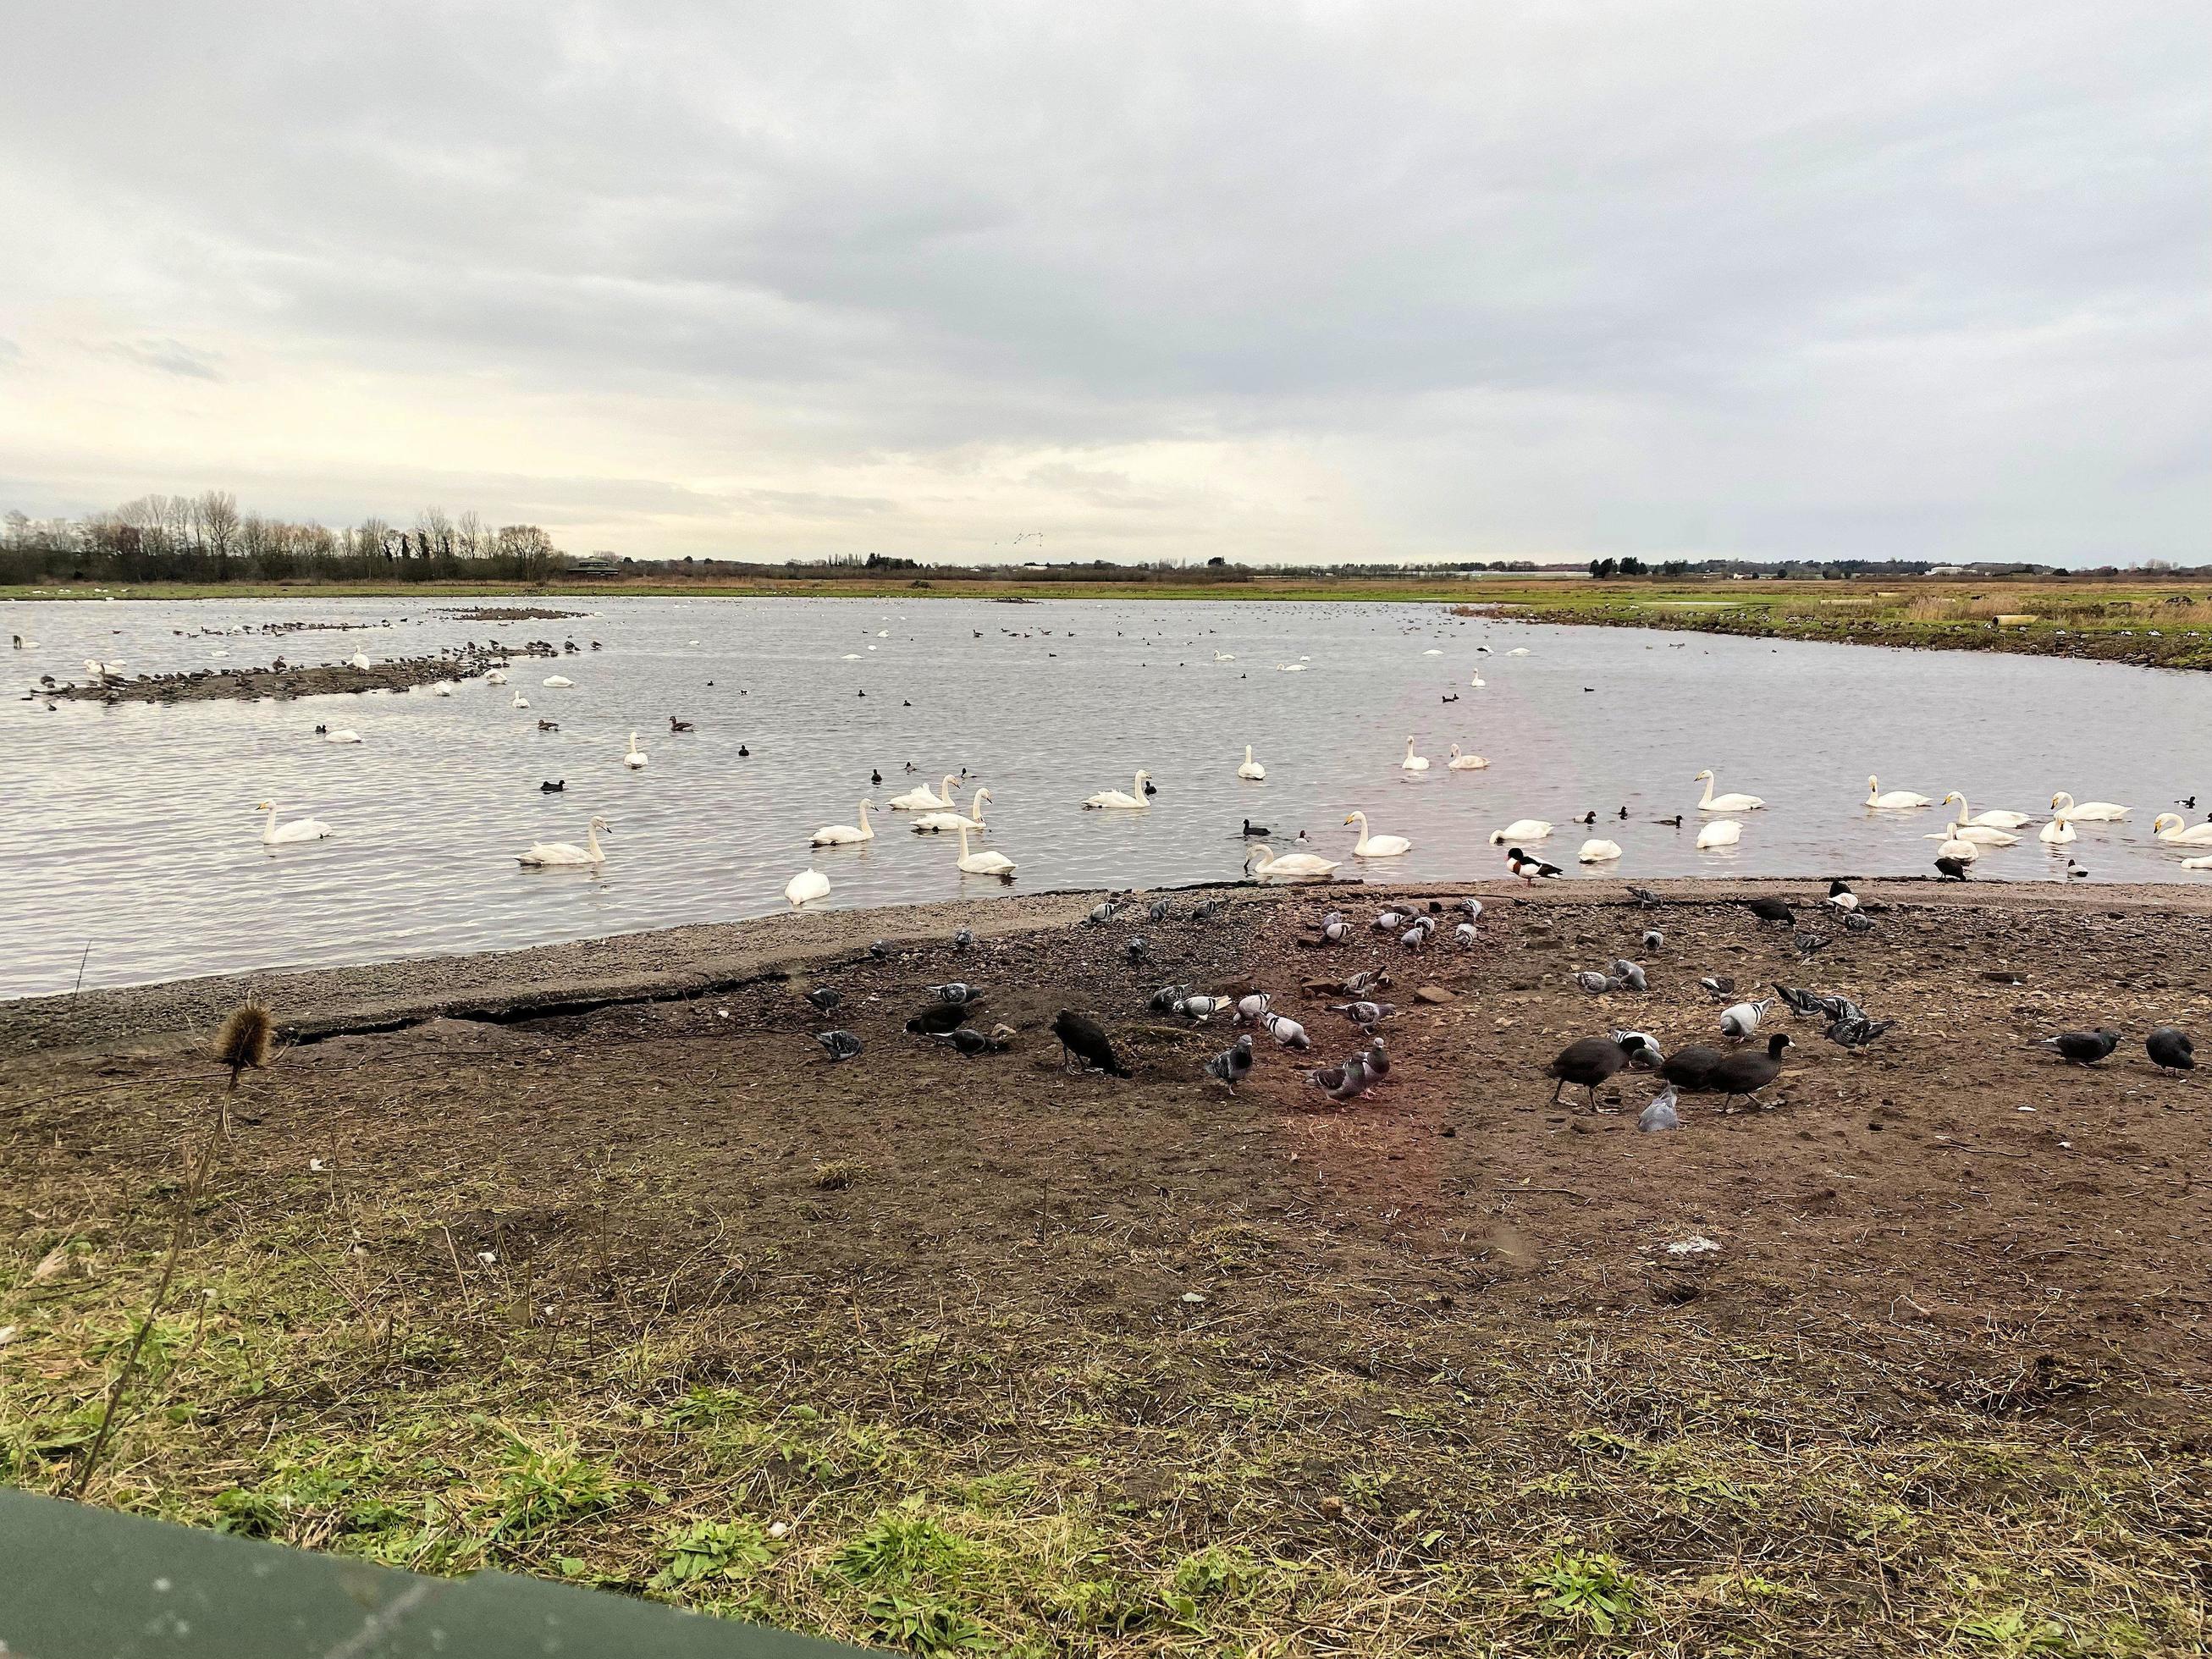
(585, 1261)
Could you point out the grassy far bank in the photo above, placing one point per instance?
(2151, 624)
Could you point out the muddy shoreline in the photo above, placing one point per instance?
(304, 680)
(598, 1229)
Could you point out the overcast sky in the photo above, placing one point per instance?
(1302, 282)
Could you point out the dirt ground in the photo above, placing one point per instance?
(977, 1354)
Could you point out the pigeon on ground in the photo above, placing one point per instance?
(1719, 986)
(1858, 922)
(881, 948)
(1210, 910)
(1463, 935)
(1139, 948)
(825, 999)
(838, 1045)
(938, 1018)
(1161, 910)
(969, 1041)
(1645, 898)
(1163, 1001)
(1100, 914)
(1644, 1054)
(1660, 1115)
(1629, 973)
(1361, 1014)
(1740, 1019)
(1376, 1060)
(1232, 1064)
(1800, 1000)
(1654, 941)
(959, 990)
(1202, 1008)
(1366, 980)
(964, 939)
(1473, 908)
(1389, 922)
(1250, 1008)
(1286, 1031)
(1857, 1031)
(1593, 982)
(1333, 928)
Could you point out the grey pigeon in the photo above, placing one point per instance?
(1811, 945)
(1232, 1065)
(1139, 948)
(1660, 1114)
(1719, 986)
(882, 947)
(1202, 1008)
(1463, 935)
(1286, 1031)
(959, 990)
(1592, 982)
(1858, 922)
(1654, 941)
(1473, 908)
(1629, 973)
(1333, 928)
(1361, 1014)
(1366, 980)
(1351, 1080)
(1800, 1000)
(1163, 1001)
(838, 1045)
(1642, 1048)
(1740, 1020)
(1418, 935)
(1250, 1008)
(1161, 910)
(1377, 1061)
(1100, 914)
(1857, 1031)
(1208, 911)
(964, 939)
(1387, 922)
(969, 1041)
(1645, 898)
(825, 999)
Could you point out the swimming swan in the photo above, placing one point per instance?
(2089, 811)
(919, 799)
(1598, 851)
(1460, 762)
(983, 864)
(934, 822)
(1521, 829)
(2204, 863)
(1720, 832)
(1987, 835)
(556, 681)
(1993, 820)
(2193, 835)
(806, 886)
(1251, 770)
(636, 758)
(342, 737)
(1954, 846)
(1261, 864)
(1712, 803)
(1897, 800)
(1413, 763)
(1376, 847)
(844, 834)
(274, 834)
(2057, 832)
(1114, 798)
(547, 853)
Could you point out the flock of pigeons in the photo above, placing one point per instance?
(1738, 1071)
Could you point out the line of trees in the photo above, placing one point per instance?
(206, 539)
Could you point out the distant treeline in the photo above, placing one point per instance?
(205, 538)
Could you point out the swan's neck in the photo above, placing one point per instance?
(864, 815)
(1707, 800)
(975, 806)
(1965, 812)
(592, 840)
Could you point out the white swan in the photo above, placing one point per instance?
(1712, 803)
(342, 737)
(843, 834)
(1897, 800)
(1993, 820)
(933, 823)
(1598, 851)
(2183, 833)
(442, 689)
(1518, 651)
(2089, 811)
(274, 834)
(1251, 770)
(2056, 833)
(1460, 762)
(2204, 863)
(636, 759)
(1720, 832)
(920, 798)
(1521, 829)
(547, 853)
(1225, 656)
(556, 680)
(1954, 846)
(806, 886)
(985, 863)
(1116, 800)
(521, 702)
(1984, 834)
(1376, 847)
(1477, 681)
(497, 677)
(1261, 864)
(360, 659)
(1413, 763)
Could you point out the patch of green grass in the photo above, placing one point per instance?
(1586, 1588)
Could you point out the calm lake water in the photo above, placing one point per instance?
(130, 828)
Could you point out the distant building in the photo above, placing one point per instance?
(594, 564)
(1946, 570)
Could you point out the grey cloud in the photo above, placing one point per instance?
(1711, 276)
(166, 356)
